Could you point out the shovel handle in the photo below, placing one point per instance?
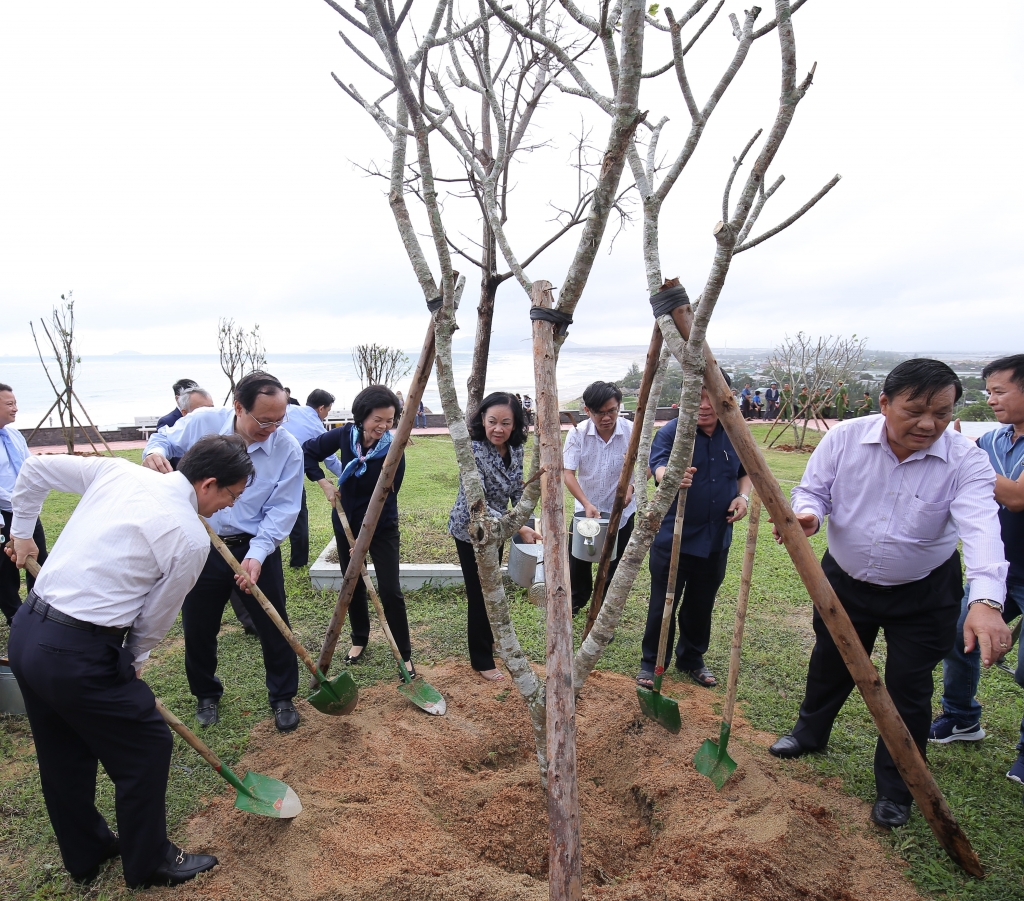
(741, 607)
(190, 737)
(257, 593)
(670, 590)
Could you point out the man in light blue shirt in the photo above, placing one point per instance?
(13, 452)
(253, 529)
(305, 423)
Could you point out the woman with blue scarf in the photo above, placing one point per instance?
(364, 445)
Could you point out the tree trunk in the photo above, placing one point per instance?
(489, 281)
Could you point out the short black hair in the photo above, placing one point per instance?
(4, 387)
(319, 398)
(921, 376)
(499, 399)
(253, 385)
(1013, 363)
(182, 385)
(221, 457)
(598, 394)
(725, 375)
(371, 398)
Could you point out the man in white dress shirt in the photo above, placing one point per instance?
(304, 423)
(13, 453)
(899, 491)
(111, 589)
(253, 530)
(592, 462)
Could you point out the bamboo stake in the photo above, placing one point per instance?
(905, 753)
(41, 421)
(565, 880)
(88, 419)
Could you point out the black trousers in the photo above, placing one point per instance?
(919, 621)
(478, 627)
(384, 552)
(201, 616)
(86, 705)
(697, 582)
(299, 537)
(10, 575)
(581, 572)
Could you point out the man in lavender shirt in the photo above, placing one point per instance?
(899, 491)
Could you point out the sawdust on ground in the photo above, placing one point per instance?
(401, 805)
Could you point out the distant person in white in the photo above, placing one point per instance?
(592, 458)
(13, 454)
(899, 491)
(111, 589)
(304, 423)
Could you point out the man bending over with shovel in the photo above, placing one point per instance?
(111, 588)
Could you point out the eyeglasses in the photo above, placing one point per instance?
(606, 414)
(268, 425)
(234, 497)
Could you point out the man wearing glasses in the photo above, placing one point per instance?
(592, 459)
(253, 529)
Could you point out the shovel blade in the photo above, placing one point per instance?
(338, 697)
(424, 696)
(664, 711)
(267, 797)
(715, 763)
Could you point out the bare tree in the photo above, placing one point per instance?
(379, 365)
(241, 351)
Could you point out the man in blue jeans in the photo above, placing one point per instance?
(961, 712)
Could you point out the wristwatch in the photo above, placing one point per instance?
(746, 498)
(995, 605)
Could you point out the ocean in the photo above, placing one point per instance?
(116, 389)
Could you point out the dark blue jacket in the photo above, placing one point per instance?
(169, 419)
(705, 530)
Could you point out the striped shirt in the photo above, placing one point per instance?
(891, 522)
(598, 464)
(13, 453)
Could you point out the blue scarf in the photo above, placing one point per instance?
(357, 466)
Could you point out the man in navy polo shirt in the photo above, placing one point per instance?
(961, 671)
(718, 497)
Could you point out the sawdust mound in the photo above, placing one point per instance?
(400, 805)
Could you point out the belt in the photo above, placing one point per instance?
(237, 539)
(34, 603)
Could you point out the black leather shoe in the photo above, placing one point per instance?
(888, 814)
(786, 748)
(89, 876)
(286, 717)
(207, 712)
(178, 867)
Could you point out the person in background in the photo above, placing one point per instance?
(757, 405)
(786, 402)
(421, 416)
(498, 429)
(528, 409)
(190, 399)
(771, 400)
(363, 445)
(307, 422)
(842, 401)
(899, 492)
(592, 458)
(718, 495)
(961, 670)
(292, 402)
(13, 454)
(178, 387)
(108, 594)
(745, 398)
(253, 530)
(866, 405)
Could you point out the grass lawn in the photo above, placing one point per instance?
(778, 641)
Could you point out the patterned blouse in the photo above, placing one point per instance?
(502, 483)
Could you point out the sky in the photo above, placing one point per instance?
(173, 164)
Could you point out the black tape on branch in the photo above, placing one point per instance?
(562, 321)
(435, 304)
(667, 300)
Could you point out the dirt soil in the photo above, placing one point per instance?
(401, 805)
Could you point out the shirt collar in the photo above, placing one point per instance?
(1006, 434)
(184, 487)
(267, 445)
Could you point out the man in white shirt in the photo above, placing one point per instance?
(592, 458)
(899, 491)
(305, 423)
(113, 585)
(13, 453)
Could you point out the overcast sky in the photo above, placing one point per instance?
(173, 163)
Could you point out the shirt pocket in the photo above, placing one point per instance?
(926, 520)
(258, 493)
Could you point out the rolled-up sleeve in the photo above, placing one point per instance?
(976, 514)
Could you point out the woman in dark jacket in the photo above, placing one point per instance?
(363, 446)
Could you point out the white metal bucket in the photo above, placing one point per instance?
(11, 700)
(589, 549)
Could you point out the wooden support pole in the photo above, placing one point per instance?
(88, 419)
(565, 880)
(615, 517)
(890, 725)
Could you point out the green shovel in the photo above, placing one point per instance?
(256, 793)
(712, 760)
(423, 695)
(336, 697)
(665, 711)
